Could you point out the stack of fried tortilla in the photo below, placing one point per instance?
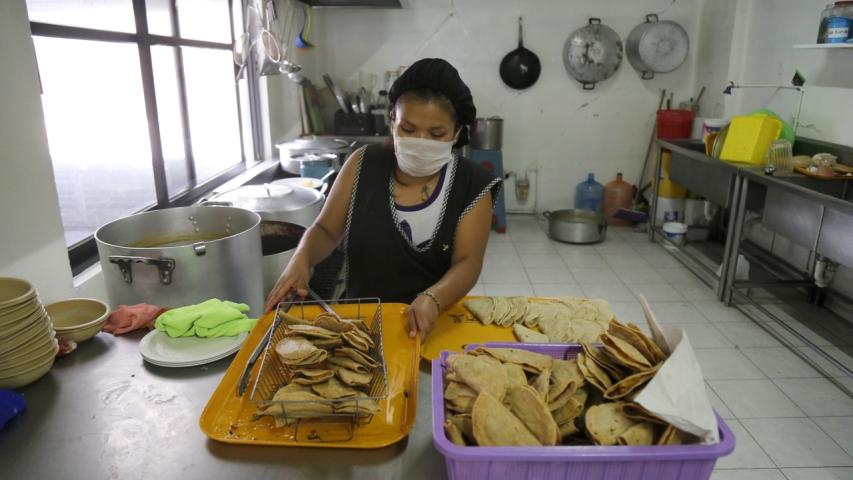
(515, 397)
(329, 363)
(545, 320)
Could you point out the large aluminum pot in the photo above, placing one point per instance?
(576, 226)
(278, 203)
(656, 46)
(181, 256)
(291, 153)
(278, 243)
(592, 53)
(487, 133)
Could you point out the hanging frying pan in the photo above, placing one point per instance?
(592, 53)
(520, 68)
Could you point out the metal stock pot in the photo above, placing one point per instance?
(181, 256)
(576, 226)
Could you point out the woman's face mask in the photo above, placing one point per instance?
(421, 130)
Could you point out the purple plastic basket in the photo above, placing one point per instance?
(693, 462)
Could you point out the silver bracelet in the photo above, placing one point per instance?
(431, 296)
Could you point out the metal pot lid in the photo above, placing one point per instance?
(592, 53)
(315, 144)
(662, 46)
(271, 198)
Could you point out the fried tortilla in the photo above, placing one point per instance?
(463, 423)
(640, 434)
(605, 422)
(329, 321)
(297, 350)
(636, 412)
(530, 361)
(572, 409)
(623, 353)
(334, 389)
(541, 383)
(481, 373)
(629, 384)
(495, 426)
(526, 404)
(311, 332)
(358, 405)
(347, 362)
(353, 378)
(481, 308)
(565, 375)
(358, 339)
(453, 433)
(597, 355)
(515, 374)
(358, 356)
(527, 335)
(632, 337)
(592, 373)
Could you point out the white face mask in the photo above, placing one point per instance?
(422, 157)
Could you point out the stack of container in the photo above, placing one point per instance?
(671, 124)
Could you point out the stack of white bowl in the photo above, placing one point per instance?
(27, 343)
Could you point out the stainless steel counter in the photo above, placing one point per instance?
(103, 413)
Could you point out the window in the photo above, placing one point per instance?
(142, 106)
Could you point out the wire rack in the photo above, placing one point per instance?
(274, 373)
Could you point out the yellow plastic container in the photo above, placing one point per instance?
(749, 138)
(666, 187)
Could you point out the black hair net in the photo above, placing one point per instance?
(438, 75)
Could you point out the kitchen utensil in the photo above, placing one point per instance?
(780, 156)
(279, 203)
(307, 182)
(339, 95)
(353, 103)
(487, 133)
(262, 345)
(317, 165)
(287, 65)
(592, 53)
(363, 101)
(231, 419)
(656, 46)
(291, 152)
(302, 37)
(268, 46)
(520, 68)
(78, 319)
(184, 255)
(576, 226)
(278, 244)
(749, 138)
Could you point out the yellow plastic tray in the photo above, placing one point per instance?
(748, 139)
(231, 419)
(456, 328)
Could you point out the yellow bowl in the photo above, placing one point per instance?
(26, 377)
(34, 346)
(14, 291)
(78, 319)
(13, 315)
(20, 364)
(23, 325)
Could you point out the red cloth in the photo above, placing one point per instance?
(128, 318)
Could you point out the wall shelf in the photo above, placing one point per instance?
(824, 46)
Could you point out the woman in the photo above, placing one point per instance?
(414, 219)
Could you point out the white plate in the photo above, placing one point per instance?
(160, 349)
(307, 182)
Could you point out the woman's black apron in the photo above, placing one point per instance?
(381, 262)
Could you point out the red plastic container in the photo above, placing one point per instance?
(671, 462)
(675, 123)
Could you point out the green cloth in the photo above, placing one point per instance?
(211, 318)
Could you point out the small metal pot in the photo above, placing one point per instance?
(487, 133)
(279, 203)
(656, 46)
(576, 226)
(592, 53)
(291, 153)
(278, 243)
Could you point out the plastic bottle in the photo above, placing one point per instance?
(617, 194)
(589, 195)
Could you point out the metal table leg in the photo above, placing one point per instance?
(733, 242)
(737, 181)
(655, 187)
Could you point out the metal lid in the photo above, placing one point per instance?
(269, 198)
(315, 144)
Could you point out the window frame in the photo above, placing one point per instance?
(84, 253)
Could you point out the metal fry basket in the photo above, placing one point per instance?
(274, 373)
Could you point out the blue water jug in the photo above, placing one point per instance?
(589, 195)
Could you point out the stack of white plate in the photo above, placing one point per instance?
(27, 344)
(160, 349)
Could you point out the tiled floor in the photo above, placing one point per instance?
(789, 422)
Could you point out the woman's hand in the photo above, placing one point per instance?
(421, 315)
(295, 276)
